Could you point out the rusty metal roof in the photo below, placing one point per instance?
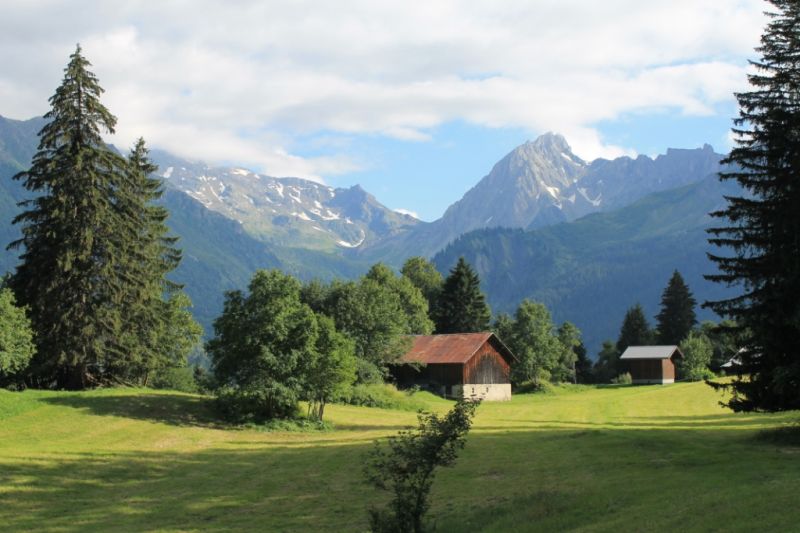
(451, 348)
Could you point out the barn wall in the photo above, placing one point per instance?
(652, 370)
(483, 391)
(487, 367)
(668, 370)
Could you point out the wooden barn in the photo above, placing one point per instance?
(458, 365)
(652, 364)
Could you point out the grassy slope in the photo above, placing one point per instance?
(643, 458)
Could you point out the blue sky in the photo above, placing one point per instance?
(415, 102)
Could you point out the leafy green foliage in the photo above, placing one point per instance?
(270, 350)
(424, 276)
(760, 250)
(697, 351)
(532, 339)
(179, 378)
(261, 345)
(462, 307)
(16, 338)
(607, 365)
(332, 368)
(570, 338)
(726, 340)
(406, 466)
(677, 317)
(623, 379)
(383, 395)
(377, 312)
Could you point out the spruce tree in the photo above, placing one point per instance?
(71, 231)
(635, 330)
(760, 238)
(154, 305)
(676, 318)
(462, 306)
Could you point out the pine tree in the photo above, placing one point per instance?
(150, 299)
(676, 318)
(635, 330)
(462, 306)
(71, 232)
(762, 235)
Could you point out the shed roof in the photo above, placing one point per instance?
(650, 352)
(451, 348)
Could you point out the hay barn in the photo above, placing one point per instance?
(458, 365)
(652, 364)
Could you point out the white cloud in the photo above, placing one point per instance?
(407, 212)
(241, 81)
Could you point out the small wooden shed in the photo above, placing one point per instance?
(457, 365)
(652, 364)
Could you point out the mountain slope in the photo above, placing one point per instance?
(591, 270)
(289, 212)
(218, 253)
(542, 183)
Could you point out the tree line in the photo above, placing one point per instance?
(706, 347)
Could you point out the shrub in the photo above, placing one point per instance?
(180, 378)
(16, 338)
(407, 464)
(255, 404)
(623, 379)
(380, 395)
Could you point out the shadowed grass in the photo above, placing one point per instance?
(586, 459)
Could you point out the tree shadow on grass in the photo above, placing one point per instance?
(173, 409)
(521, 481)
(177, 410)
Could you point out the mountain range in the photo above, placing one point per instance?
(586, 238)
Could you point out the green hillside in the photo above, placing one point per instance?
(591, 459)
(591, 270)
(218, 254)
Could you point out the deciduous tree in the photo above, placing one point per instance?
(406, 466)
(16, 338)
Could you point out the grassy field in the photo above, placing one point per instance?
(587, 459)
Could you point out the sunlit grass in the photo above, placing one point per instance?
(581, 458)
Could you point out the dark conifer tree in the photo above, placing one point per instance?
(676, 318)
(462, 306)
(150, 254)
(635, 330)
(68, 277)
(762, 231)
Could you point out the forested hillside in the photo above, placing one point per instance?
(591, 270)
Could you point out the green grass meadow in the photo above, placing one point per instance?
(625, 458)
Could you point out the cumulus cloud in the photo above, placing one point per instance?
(243, 81)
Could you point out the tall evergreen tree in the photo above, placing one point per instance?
(762, 235)
(676, 318)
(154, 305)
(71, 231)
(635, 330)
(462, 306)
